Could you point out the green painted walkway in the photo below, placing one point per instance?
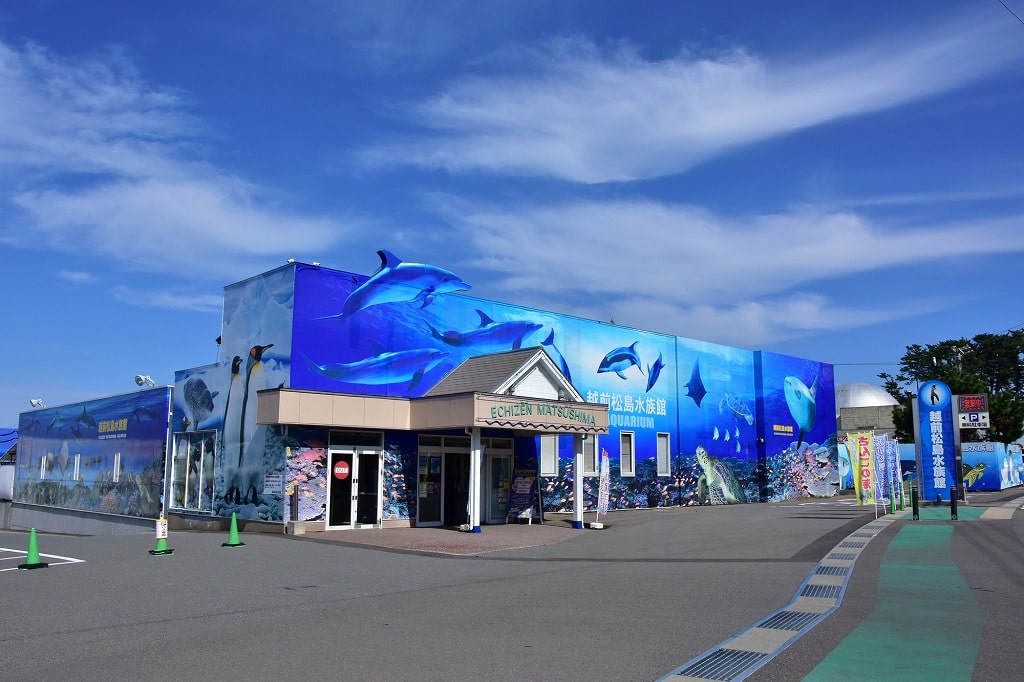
(926, 624)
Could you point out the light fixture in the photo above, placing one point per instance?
(316, 263)
(144, 380)
(291, 260)
(36, 402)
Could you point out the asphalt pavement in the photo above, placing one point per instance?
(636, 601)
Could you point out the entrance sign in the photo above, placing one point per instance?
(937, 467)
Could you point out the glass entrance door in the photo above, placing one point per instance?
(340, 498)
(499, 480)
(368, 483)
(428, 493)
(354, 499)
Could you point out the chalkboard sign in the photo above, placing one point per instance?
(522, 500)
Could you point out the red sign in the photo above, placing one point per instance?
(341, 470)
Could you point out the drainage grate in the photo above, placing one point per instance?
(842, 556)
(831, 591)
(722, 664)
(862, 535)
(851, 545)
(832, 570)
(789, 620)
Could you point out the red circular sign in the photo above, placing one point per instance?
(341, 470)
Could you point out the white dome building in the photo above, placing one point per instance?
(859, 394)
(861, 406)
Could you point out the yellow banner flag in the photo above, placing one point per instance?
(862, 460)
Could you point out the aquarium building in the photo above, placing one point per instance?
(348, 401)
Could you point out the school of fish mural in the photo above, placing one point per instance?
(744, 426)
(105, 455)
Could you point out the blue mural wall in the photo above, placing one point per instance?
(989, 466)
(255, 354)
(796, 405)
(104, 455)
(743, 426)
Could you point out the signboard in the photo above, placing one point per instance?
(523, 493)
(977, 402)
(973, 411)
(937, 470)
(273, 484)
(975, 420)
(341, 470)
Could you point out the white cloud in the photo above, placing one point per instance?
(76, 276)
(103, 163)
(691, 272)
(200, 303)
(581, 115)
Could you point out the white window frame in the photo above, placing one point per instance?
(664, 446)
(627, 457)
(548, 455)
(591, 461)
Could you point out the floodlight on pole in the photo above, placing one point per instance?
(36, 402)
(144, 380)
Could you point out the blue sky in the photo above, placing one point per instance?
(827, 180)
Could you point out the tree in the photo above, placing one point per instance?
(988, 363)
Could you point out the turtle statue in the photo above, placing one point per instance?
(717, 484)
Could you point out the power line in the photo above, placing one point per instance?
(1011, 11)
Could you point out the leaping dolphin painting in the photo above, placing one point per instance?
(397, 281)
(621, 359)
(490, 336)
(802, 402)
(384, 368)
(654, 371)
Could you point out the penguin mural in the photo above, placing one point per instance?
(253, 383)
(232, 424)
(242, 479)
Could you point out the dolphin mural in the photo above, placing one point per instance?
(397, 281)
(383, 368)
(802, 404)
(556, 355)
(621, 359)
(695, 386)
(654, 371)
(490, 336)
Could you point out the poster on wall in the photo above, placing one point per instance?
(104, 455)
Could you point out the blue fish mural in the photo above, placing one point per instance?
(397, 281)
(490, 336)
(621, 359)
(86, 420)
(654, 371)
(802, 404)
(384, 368)
(695, 386)
(556, 355)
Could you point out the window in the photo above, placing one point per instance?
(591, 467)
(549, 455)
(664, 456)
(627, 459)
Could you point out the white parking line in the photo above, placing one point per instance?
(19, 555)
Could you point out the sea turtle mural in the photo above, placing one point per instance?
(717, 484)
